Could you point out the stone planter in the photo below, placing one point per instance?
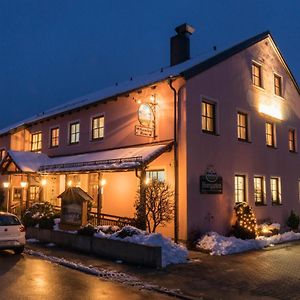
(144, 255)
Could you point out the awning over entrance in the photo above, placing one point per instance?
(115, 159)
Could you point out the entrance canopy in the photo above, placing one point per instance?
(116, 159)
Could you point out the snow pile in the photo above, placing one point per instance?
(220, 245)
(171, 253)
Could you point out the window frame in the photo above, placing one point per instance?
(246, 127)
(97, 128)
(272, 135)
(262, 193)
(292, 143)
(2, 153)
(36, 192)
(254, 76)
(153, 171)
(75, 133)
(278, 200)
(278, 89)
(52, 138)
(244, 189)
(37, 143)
(206, 117)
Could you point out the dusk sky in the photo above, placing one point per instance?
(53, 51)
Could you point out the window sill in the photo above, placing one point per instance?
(276, 204)
(260, 204)
(261, 88)
(76, 143)
(294, 152)
(244, 141)
(279, 96)
(97, 140)
(210, 132)
(271, 147)
(53, 147)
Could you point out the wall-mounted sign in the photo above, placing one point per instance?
(144, 131)
(145, 115)
(210, 182)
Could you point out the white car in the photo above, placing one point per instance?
(12, 233)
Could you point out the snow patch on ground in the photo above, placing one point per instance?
(220, 245)
(172, 253)
(110, 275)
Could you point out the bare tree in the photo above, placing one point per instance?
(159, 209)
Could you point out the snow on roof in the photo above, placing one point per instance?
(28, 161)
(112, 91)
(123, 158)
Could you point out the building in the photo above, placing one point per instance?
(236, 116)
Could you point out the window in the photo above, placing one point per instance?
(54, 142)
(36, 141)
(74, 133)
(256, 75)
(98, 128)
(270, 134)
(240, 188)
(34, 193)
(208, 117)
(277, 85)
(259, 190)
(242, 126)
(17, 194)
(2, 154)
(155, 175)
(292, 140)
(275, 190)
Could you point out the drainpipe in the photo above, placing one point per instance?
(176, 217)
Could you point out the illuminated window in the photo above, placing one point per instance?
(17, 194)
(34, 193)
(292, 140)
(256, 75)
(2, 154)
(275, 190)
(242, 126)
(156, 175)
(36, 141)
(74, 133)
(240, 188)
(270, 134)
(277, 85)
(208, 117)
(54, 137)
(259, 190)
(98, 128)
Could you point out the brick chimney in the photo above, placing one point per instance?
(180, 44)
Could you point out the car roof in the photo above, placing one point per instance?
(2, 213)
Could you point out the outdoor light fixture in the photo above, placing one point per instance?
(23, 184)
(44, 182)
(6, 184)
(147, 181)
(70, 183)
(102, 182)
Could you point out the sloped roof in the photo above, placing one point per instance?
(116, 159)
(75, 194)
(186, 69)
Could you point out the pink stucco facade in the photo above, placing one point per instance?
(228, 86)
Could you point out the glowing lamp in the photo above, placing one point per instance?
(102, 182)
(6, 184)
(70, 183)
(23, 184)
(147, 181)
(44, 182)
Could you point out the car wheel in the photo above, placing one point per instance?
(19, 250)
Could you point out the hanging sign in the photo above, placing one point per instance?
(210, 182)
(145, 115)
(144, 131)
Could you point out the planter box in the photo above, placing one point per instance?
(115, 249)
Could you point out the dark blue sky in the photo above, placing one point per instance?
(52, 51)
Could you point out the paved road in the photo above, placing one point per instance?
(25, 277)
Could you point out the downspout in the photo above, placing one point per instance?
(176, 210)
